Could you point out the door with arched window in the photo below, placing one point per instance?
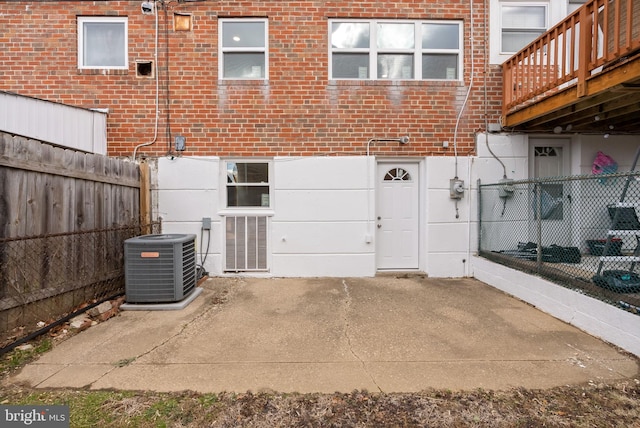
(397, 216)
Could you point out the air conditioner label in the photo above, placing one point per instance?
(150, 255)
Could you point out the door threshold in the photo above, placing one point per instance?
(401, 273)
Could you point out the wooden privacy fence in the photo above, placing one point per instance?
(64, 216)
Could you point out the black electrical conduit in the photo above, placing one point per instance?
(45, 329)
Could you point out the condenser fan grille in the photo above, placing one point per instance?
(160, 268)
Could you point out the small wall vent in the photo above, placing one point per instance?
(144, 68)
(159, 268)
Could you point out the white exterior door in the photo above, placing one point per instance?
(397, 214)
(550, 159)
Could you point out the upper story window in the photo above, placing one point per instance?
(395, 50)
(575, 5)
(243, 49)
(520, 24)
(102, 42)
(248, 184)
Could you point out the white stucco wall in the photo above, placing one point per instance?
(321, 222)
(448, 223)
(323, 208)
(187, 191)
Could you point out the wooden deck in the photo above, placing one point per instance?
(583, 75)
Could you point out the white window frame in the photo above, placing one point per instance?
(224, 187)
(81, 20)
(417, 50)
(542, 30)
(224, 50)
(575, 5)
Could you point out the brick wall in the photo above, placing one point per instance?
(298, 111)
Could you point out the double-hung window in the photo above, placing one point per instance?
(395, 50)
(102, 42)
(575, 5)
(521, 23)
(243, 49)
(248, 184)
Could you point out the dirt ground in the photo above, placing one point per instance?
(588, 405)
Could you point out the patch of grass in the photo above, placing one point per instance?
(208, 400)
(616, 405)
(88, 410)
(125, 362)
(18, 357)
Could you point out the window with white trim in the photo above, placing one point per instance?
(248, 184)
(395, 50)
(575, 5)
(102, 42)
(520, 24)
(243, 49)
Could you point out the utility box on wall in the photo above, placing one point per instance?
(456, 188)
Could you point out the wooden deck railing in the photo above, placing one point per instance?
(582, 45)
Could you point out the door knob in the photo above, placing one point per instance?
(379, 226)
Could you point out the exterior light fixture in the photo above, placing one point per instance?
(402, 140)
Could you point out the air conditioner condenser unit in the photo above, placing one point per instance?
(159, 268)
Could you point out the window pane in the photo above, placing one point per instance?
(350, 66)
(440, 36)
(247, 196)
(513, 41)
(551, 202)
(396, 36)
(523, 17)
(244, 65)
(243, 34)
(249, 172)
(440, 66)
(350, 35)
(104, 44)
(247, 184)
(395, 66)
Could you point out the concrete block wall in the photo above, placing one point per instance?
(323, 210)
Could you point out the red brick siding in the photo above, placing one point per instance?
(297, 112)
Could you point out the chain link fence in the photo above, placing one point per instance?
(581, 232)
(44, 278)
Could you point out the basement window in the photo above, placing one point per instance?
(102, 42)
(248, 184)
